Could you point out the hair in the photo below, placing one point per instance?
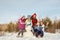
(23, 16)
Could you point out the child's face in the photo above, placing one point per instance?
(41, 23)
(23, 18)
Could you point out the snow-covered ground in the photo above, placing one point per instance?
(29, 36)
(47, 36)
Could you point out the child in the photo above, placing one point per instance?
(21, 25)
(40, 30)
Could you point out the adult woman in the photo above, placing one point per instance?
(34, 22)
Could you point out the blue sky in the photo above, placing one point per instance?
(11, 10)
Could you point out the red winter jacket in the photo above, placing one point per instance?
(34, 22)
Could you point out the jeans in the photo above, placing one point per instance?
(34, 29)
(39, 32)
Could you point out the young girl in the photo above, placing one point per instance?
(21, 25)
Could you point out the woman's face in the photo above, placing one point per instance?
(34, 16)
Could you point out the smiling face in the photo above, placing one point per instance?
(23, 17)
(34, 16)
(41, 23)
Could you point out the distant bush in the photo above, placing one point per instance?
(3, 27)
(16, 27)
(49, 26)
(58, 25)
(12, 27)
(45, 20)
(53, 25)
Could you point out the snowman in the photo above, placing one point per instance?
(28, 32)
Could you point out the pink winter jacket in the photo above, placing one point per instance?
(21, 24)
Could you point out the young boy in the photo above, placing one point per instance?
(40, 30)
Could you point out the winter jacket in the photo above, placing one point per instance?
(21, 24)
